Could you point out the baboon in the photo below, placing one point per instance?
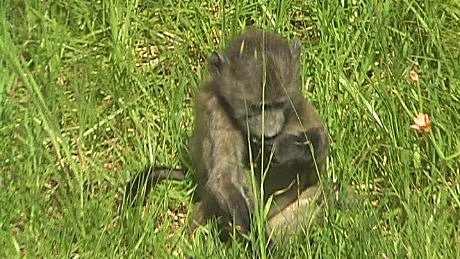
(251, 114)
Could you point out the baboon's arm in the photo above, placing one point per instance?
(298, 160)
(223, 150)
(303, 128)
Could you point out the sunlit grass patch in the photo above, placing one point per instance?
(92, 92)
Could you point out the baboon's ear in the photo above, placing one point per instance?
(295, 48)
(216, 63)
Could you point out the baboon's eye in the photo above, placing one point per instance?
(265, 106)
(276, 105)
(273, 106)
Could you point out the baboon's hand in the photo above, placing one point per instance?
(291, 148)
(239, 211)
(234, 205)
(301, 148)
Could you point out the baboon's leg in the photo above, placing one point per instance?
(297, 216)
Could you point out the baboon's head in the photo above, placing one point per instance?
(259, 80)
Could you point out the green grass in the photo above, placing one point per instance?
(91, 92)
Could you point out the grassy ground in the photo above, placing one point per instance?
(91, 92)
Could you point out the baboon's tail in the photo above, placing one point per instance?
(140, 186)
